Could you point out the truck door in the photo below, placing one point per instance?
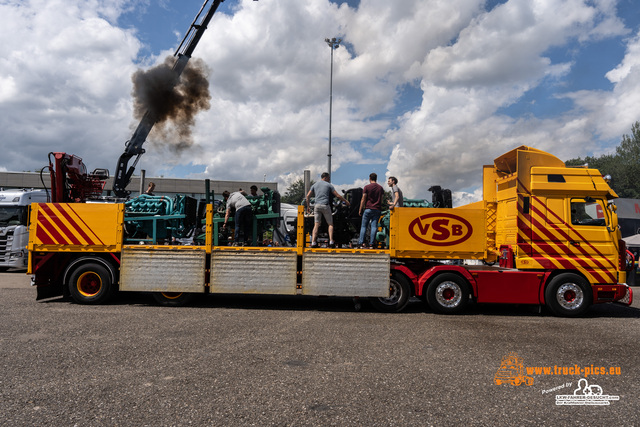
(556, 233)
(592, 244)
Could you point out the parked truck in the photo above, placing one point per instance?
(532, 238)
(14, 213)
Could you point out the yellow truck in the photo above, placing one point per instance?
(544, 234)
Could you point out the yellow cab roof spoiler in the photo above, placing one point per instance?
(532, 167)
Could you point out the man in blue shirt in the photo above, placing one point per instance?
(322, 207)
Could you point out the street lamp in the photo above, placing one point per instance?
(333, 43)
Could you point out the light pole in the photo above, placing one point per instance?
(333, 43)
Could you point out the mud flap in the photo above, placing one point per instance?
(49, 290)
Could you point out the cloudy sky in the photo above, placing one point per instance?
(425, 90)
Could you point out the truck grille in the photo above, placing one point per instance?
(5, 245)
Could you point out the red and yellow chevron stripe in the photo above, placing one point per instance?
(548, 244)
(87, 226)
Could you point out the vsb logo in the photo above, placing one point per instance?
(440, 229)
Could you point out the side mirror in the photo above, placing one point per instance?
(630, 261)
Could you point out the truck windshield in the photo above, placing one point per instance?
(13, 215)
(587, 212)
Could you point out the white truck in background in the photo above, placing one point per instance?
(14, 231)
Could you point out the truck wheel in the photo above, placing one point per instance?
(448, 293)
(399, 293)
(90, 283)
(172, 299)
(568, 295)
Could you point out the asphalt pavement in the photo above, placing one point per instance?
(265, 360)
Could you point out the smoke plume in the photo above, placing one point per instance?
(174, 106)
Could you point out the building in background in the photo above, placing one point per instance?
(164, 186)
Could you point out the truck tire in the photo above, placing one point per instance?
(448, 293)
(172, 299)
(399, 293)
(90, 283)
(568, 295)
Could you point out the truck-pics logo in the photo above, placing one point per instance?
(440, 229)
(511, 371)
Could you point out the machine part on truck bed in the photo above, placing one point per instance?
(70, 181)
(265, 221)
(254, 272)
(345, 274)
(347, 219)
(163, 269)
(156, 219)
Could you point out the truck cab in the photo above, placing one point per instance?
(551, 217)
(14, 231)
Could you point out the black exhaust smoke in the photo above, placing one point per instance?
(172, 105)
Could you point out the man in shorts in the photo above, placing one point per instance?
(323, 191)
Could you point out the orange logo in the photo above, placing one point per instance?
(511, 371)
(440, 229)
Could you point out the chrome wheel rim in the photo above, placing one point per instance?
(448, 294)
(570, 296)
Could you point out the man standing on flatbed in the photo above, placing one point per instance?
(322, 207)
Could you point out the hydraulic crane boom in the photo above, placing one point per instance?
(183, 53)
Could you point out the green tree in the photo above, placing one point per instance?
(294, 194)
(623, 166)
